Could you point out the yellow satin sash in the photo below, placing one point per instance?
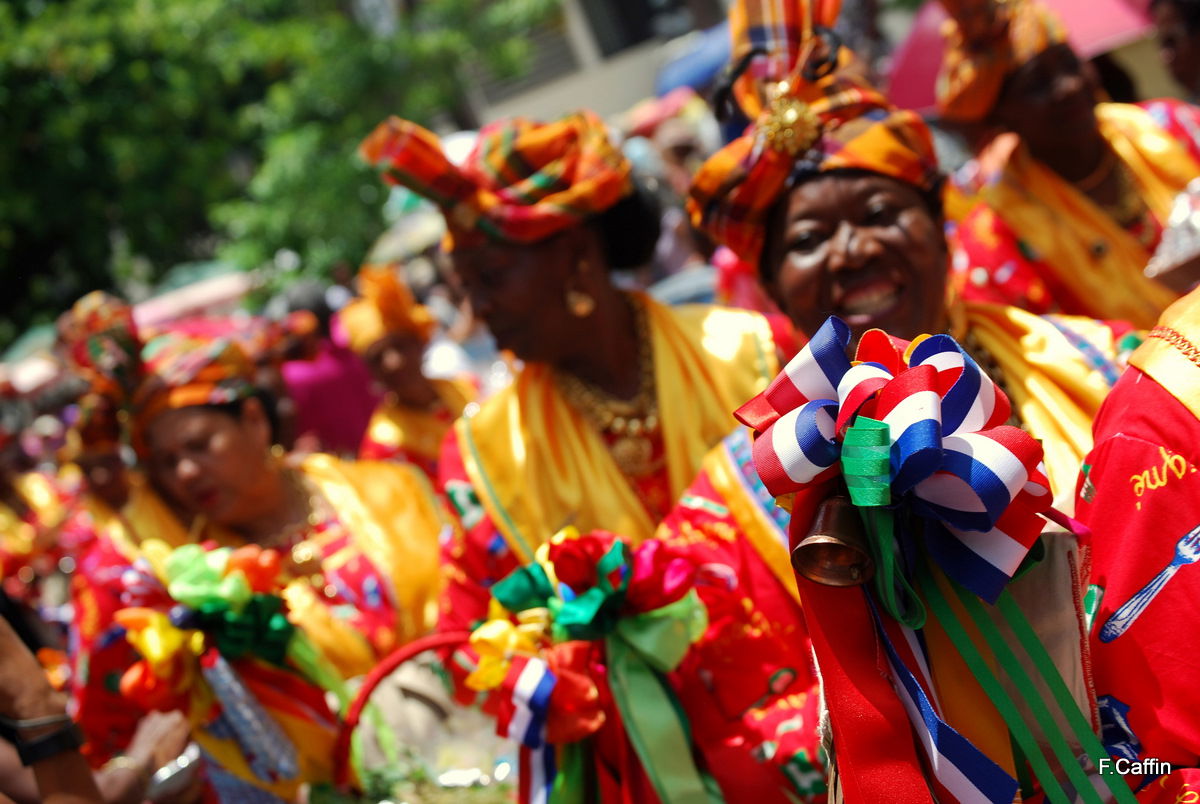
(1085, 248)
(417, 431)
(538, 465)
(1171, 352)
(396, 521)
(1052, 386)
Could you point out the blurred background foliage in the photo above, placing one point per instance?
(141, 134)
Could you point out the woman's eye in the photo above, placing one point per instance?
(806, 241)
(880, 214)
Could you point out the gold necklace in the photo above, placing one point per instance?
(633, 423)
(1093, 180)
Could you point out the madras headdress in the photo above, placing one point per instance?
(183, 371)
(986, 40)
(523, 181)
(102, 343)
(813, 113)
(385, 305)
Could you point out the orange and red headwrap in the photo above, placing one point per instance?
(183, 371)
(385, 305)
(522, 182)
(102, 343)
(803, 122)
(986, 40)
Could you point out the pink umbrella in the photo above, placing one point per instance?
(1094, 27)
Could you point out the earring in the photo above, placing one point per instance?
(580, 304)
(277, 451)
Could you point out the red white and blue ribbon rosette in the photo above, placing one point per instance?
(953, 457)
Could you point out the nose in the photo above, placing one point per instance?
(848, 248)
(187, 470)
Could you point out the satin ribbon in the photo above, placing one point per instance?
(640, 647)
(950, 454)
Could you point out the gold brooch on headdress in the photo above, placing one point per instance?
(789, 124)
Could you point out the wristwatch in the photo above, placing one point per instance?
(35, 749)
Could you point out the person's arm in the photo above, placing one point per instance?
(35, 711)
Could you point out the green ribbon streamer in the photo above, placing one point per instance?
(1058, 688)
(991, 686)
(640, 650)
(867, 468)
(572, 784)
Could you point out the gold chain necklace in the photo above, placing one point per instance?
(633, 424)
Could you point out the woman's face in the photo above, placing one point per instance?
(1179, 47)
(520, 291)
(1049, 101)
(211, 463)
(863, 247)
(106, 476)
(395, 361)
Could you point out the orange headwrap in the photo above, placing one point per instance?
(385, 305)
(986, 40)
(183, 371)
(523, 181)
(808, 123)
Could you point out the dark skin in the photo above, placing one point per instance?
(1178, 45)
(521, 292)
(1050, 103)
(217, 465)
(862, 246)
(395, 363)
(106, 477)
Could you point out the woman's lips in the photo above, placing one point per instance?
(207, 498)
(868, 302)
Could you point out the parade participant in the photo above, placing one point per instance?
(389, 331)
(835, 196)
(1138, 494)
(1178, 26)
(1065, 213)
(347, 550)
(619, 397)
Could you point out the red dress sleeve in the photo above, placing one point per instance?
(1140, 495)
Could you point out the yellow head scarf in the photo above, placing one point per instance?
(986, 40)
(386, 305)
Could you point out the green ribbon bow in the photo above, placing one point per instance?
(640, 648)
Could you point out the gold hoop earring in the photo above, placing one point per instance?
(580, 304)
(277, 451)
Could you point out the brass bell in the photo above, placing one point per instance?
(835, 552)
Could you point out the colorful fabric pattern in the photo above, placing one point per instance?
(523, 181)
(1034, 241)
(385, 305)
(182, 371)
(985, 41)
(102, 341)
(833, 122)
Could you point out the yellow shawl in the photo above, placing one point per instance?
(1084, 247)
(416, 431)
(1053, 387)
(1171, 353)
(537, 464)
